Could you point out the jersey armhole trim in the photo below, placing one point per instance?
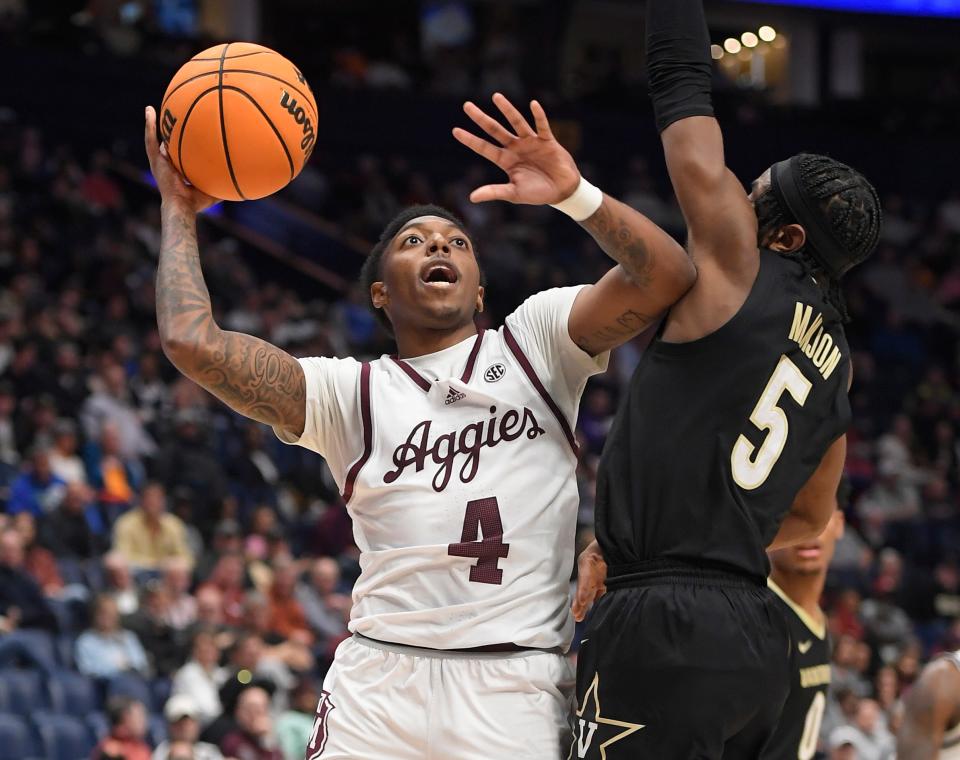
(817, 628)
(367, 433)
(531, 374)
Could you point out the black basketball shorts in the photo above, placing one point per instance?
(681, 664)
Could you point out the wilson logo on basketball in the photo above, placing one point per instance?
(167, 122)
(300, 116)
(494, 372)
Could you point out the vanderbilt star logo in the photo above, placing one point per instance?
(804, 646)
(587, 726)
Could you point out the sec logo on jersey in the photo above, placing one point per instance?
(494, 372)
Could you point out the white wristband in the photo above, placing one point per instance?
(584, 202)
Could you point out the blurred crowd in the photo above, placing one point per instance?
(174, 581)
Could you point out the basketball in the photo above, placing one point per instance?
(239, 121)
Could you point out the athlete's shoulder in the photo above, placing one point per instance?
(545, 305)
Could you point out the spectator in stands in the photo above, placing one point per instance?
(227, 577)
(843, 744)
(128, 727)
(115, 477)
(148, 535)
(22, 604)
(37, 490)
(295, 726)
(841, 710)
(148, 389)
(166, 647)
(107, 650)
(890, 501)
(76, 529)
(119, 582)
(64, 462)
(110, 403)
(187, 460)
(202, 677)
(293, 652)
(327, 610)
(210, 609)
(250, 656)
(286, 613)
(183, 731)
(227, 539)
(39, 562)
(263, 524)
(9, 453)
(181, 606)
(253, 737)
(872, 739)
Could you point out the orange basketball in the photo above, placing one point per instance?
(239, 121)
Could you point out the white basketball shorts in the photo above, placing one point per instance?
(389, 702)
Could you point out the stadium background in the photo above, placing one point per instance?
(251, 584)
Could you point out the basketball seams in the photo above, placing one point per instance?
(183, 130)
(283, 143)
(308, 97)
(239, 55)
(223, 125)
(281, 73)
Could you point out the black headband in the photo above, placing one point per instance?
(825, 247)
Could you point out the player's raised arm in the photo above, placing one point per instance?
(251, 376)
(654, 270)
(721, 222)
(930, 705)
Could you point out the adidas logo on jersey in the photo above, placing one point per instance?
(454, 396)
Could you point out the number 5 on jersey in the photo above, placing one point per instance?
(482, 515)
(751, 468)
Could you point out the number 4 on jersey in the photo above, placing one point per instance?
(482, 515)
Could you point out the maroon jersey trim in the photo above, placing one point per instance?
(412, 374)
(472, 359)
(367, 432)
(544, 393)
(424, 384)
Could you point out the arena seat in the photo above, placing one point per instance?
(98, 724)
(131, 685)
(72, 693)
(64, 737)
(160, 688)
(24, 692)
(16, 740)
(157, 730)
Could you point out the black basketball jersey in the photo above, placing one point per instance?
(798, 731)
(715, 437)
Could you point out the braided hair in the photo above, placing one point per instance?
(851, 207)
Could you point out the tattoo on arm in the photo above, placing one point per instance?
(248, 374)
(613, 233)
(623, 328)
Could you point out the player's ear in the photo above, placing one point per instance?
(378, 295)
(480, 293)
(788, 238)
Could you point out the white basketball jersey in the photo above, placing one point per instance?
(461, 481)
(951, 738)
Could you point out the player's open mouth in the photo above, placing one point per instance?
(439, 274)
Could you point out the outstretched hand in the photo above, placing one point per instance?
(591, 580)
(540, 170)
(169, 181)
